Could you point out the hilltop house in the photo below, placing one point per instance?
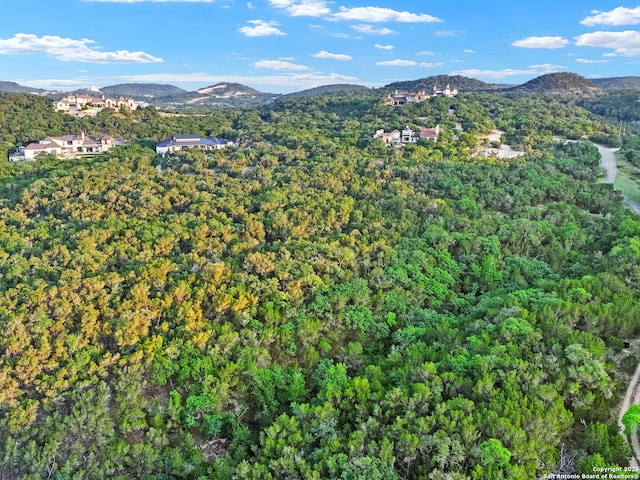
(67, 146)
(80, 105)
(397, 138)
(178, 142)
(402, 98)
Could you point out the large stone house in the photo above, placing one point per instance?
(81, 105)
(178, 142)
(67, 146)
(397, 138)
(402, 98)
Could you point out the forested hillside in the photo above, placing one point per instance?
(311, 304)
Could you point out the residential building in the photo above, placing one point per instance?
(178, 142)
(402, 98)
(67, 146)
(397, 138)
(81, 105)
(446, 92)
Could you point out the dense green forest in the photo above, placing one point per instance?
(311, 304)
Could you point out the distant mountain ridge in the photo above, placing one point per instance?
(618, 83)
(143, 91)
(234, 95)
(13, 87)
(463, 84)
(338, 88)
(218, 95)
(561, 83)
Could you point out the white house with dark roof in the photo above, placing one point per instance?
(178, 142)
(67, 146)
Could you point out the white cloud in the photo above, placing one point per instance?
(624, 44)
(431, 64)
(309, 8)
(69, 50)
(541, 42)
(468, 50)
(302, 8)
(332, 56)
(548, 67)
(617, 16)
(507, 72)
(397, 63)
(426, 52)
(446, 33)
(510, 72)
(281, 3)
(260, 29)
(384, 47)
(369, 30)
(586, 60)
(379, 14)
(279, 65)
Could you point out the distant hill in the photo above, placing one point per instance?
(337, 89)
(464, 84)
(218, 95)
(13, 87)
(562, 83)
(142, 91)
(233, 95)
(618, 83)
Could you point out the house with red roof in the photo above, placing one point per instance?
(397, 138)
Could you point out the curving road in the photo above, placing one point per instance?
(632, 395)
(632, 204)
(608, 162)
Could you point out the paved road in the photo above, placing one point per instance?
(632, 204)
(631, 398)
(608, 162)
(607, 158)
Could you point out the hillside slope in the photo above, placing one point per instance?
(465, 84)
(618, 83)
(561, 83)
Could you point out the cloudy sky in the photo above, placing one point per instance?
(287, 45)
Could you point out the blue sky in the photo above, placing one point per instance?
(288, 45)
